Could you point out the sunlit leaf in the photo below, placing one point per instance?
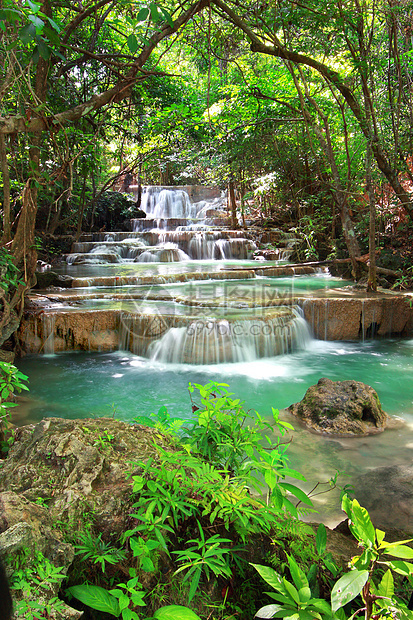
(175, 612)
(96, 597)
(298, 493)
(347, 588)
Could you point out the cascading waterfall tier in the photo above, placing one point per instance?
(219, 341)
(176, 228)
(170, 314)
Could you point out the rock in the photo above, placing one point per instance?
(47, 279)
(68, 474)
(341, 408)
(26, 530)
(359, 317)
(7, 356)
(387, 491)
(138, 214)
(75, 467)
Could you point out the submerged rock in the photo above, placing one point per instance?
(387, 491)
(341, 408)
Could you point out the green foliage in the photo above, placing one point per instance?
(11, 381)
(9, 274)
(226, 471)
(292, 598)
(175, 612)
(119, 601)
(205, 555)
(296, 538)
(104, 440)
(32, 576)
(93, 548)
(295, 598)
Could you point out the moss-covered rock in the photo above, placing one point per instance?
(341, 408)
(76, 467)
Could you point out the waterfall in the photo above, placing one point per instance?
(167, 203)
(218, 341)
(172, 219)
(48, 326)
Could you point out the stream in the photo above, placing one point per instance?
(121, 383)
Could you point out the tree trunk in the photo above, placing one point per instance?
(6, 192)
(372, 280)
(233, 204)
(81, 209)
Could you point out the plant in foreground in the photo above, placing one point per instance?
(32, 578)
(11, 381)
(93, 548)
(205, 555)
(295, 600)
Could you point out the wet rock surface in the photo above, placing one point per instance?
(341, 408)
(385, 490)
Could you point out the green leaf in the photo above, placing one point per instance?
(147, 564)
(96, 597)
(270, 576)
(321, 605)
(290, 507)
(386, 587)
(155, 16)
(277, 498)
(10, 15)
(128, 614)
(269, 611)
(304, 594)
(402, 568)
(299, 578)
(33, 6)
(54, 25)
(362, 521)
(298, 493)
(321, 539)
(143, 14)
(194, 583)
(347, 588)
(27, 34)
(35, 58)
(44, 50)
(170, 22)
(39, 23)
(399, 551)
(133, 45)
(270, 478)
(175, 612)
(292, 591)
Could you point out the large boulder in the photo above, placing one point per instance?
(68, 475)
(341, 408)
(78, 466)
